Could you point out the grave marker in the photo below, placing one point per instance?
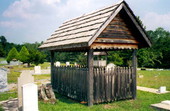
(67, 63)
(24, 78)
(162, 89)
(110, 66)
(30, 97)
(3, 80)
(57, 64)
(37, 69)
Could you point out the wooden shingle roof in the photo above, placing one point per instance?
(83, 31)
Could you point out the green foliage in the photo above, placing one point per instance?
(24, 55)
(3, 40)
(148, 57)
(13, 54)
(36, 57)
(159, 52)
(2, 51)
(157, 56)
(115, 58)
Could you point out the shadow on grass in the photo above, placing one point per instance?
(67, 100)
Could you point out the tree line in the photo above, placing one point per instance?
(158, 56)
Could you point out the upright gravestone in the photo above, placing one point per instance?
(57, 64)
(67, 63)
(24, 78)
(110, 66)
(37, 70)
(75, 64)
(30, 97)
(3, 80)
(162, 89)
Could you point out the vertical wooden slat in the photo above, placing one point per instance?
(90, 77)
(98, 85)
(52, 69)
(134, 64)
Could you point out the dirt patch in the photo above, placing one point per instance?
(107, 106)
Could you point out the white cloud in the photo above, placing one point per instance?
(11, 24)
(35, 20)
(154, 20)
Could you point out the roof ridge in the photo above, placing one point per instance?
(94, 11)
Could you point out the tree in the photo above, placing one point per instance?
(3, 40)
(36, 57)
(2, 51)
(24, 55)
(115, 58)
(13, 54)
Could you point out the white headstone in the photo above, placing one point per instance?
(162, 89)
(67, 63)
(110, 66)
(75, 64)
(99, 63)
(57, 64)
(24, 78)
(3, 80)
(37, 69)
(30, 97)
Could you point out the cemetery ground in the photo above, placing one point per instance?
(151, 79)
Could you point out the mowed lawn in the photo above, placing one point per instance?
(142, 103)
(153, 79)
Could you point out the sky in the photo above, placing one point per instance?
(32, 21)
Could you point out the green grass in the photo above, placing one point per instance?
(43, 76)
(15, 72)
(154, 79)
(142, 103)
(7, 95)
(45, 65)
(2, 59)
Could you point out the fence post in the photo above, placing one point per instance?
(90, 77)
(134, 65)
(52, 68)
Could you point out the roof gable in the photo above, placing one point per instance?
(84, 30)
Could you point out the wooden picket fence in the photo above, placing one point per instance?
(112, 84)
(109, 85)
(71, 82)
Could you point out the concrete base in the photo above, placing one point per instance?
(161, 106)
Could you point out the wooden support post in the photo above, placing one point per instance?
(134, 65)
(90, 77)
(52, 68)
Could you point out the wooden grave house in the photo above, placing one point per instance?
(108, 29)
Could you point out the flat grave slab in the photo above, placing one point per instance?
(151, 90)
(164, 105)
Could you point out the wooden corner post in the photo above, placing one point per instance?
(52, 68)
(134, 65)
(90, 77)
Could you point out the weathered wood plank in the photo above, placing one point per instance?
(113, 46)
(134, 64)
(113, 40)
(90, 77)
(52, 68)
